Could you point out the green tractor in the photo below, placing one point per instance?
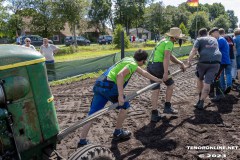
(28, 123)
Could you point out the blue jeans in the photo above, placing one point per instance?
(105, 91)
(234, 68)
(227, 70)
(238, 62)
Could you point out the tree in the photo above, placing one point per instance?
(99, 13)
(15, 22)
(222, 22)
(178, 15)
(73, 12)
(129, 13)
(215, 10)
(14, 25)
(233, 19)
(117, 37)
(157, 19)
(183, 28)
(4, 16)
(202, 22)
(45, 20)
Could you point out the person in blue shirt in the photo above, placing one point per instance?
(226, 62)
(224, 67)
(236, 41)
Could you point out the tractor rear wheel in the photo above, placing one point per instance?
(92, 152)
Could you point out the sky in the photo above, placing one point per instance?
(228, 4)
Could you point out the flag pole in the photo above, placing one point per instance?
(196, 23)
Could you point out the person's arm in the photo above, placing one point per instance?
(54, 48)
(193, 51)
(192, 54)
(120, 82)
(234, 46)
(177, 61)
(147, 75)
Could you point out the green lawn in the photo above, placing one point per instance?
(95, 50)
(91, 52)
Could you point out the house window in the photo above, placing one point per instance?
(56, 38)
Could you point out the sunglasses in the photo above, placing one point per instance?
(28, 41)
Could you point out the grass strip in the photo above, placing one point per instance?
(76, 78)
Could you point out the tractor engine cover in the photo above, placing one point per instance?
(31, 123)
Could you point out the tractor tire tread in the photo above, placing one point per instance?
(92, 152)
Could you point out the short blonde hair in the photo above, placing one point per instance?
(237, 31)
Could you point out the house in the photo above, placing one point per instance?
(141, 33)
(58, 38)
(93, 33)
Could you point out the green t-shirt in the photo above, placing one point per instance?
(128, 62)
(162, 46)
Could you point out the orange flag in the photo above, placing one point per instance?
(193, 3)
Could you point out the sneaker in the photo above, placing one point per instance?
(197, 103)
(217, 98)
(228, 90)
(200, 105)
(83, 142)
(122, 135)
(169, 110)
(155, 117)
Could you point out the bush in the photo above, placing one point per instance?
(68, 50)
(117, 37)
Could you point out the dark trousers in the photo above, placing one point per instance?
(51, 70)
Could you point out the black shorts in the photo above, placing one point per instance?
(156, 69)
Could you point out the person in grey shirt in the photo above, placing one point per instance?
(208, 64)
(48, 50)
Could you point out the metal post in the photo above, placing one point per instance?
(122, 45)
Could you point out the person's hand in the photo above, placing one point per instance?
(189, 63)
(165, 77)
(159, 80)
(183, 67)
(120, 100)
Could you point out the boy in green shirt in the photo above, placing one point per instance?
(109, 87)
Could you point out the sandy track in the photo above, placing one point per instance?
(217, 125)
